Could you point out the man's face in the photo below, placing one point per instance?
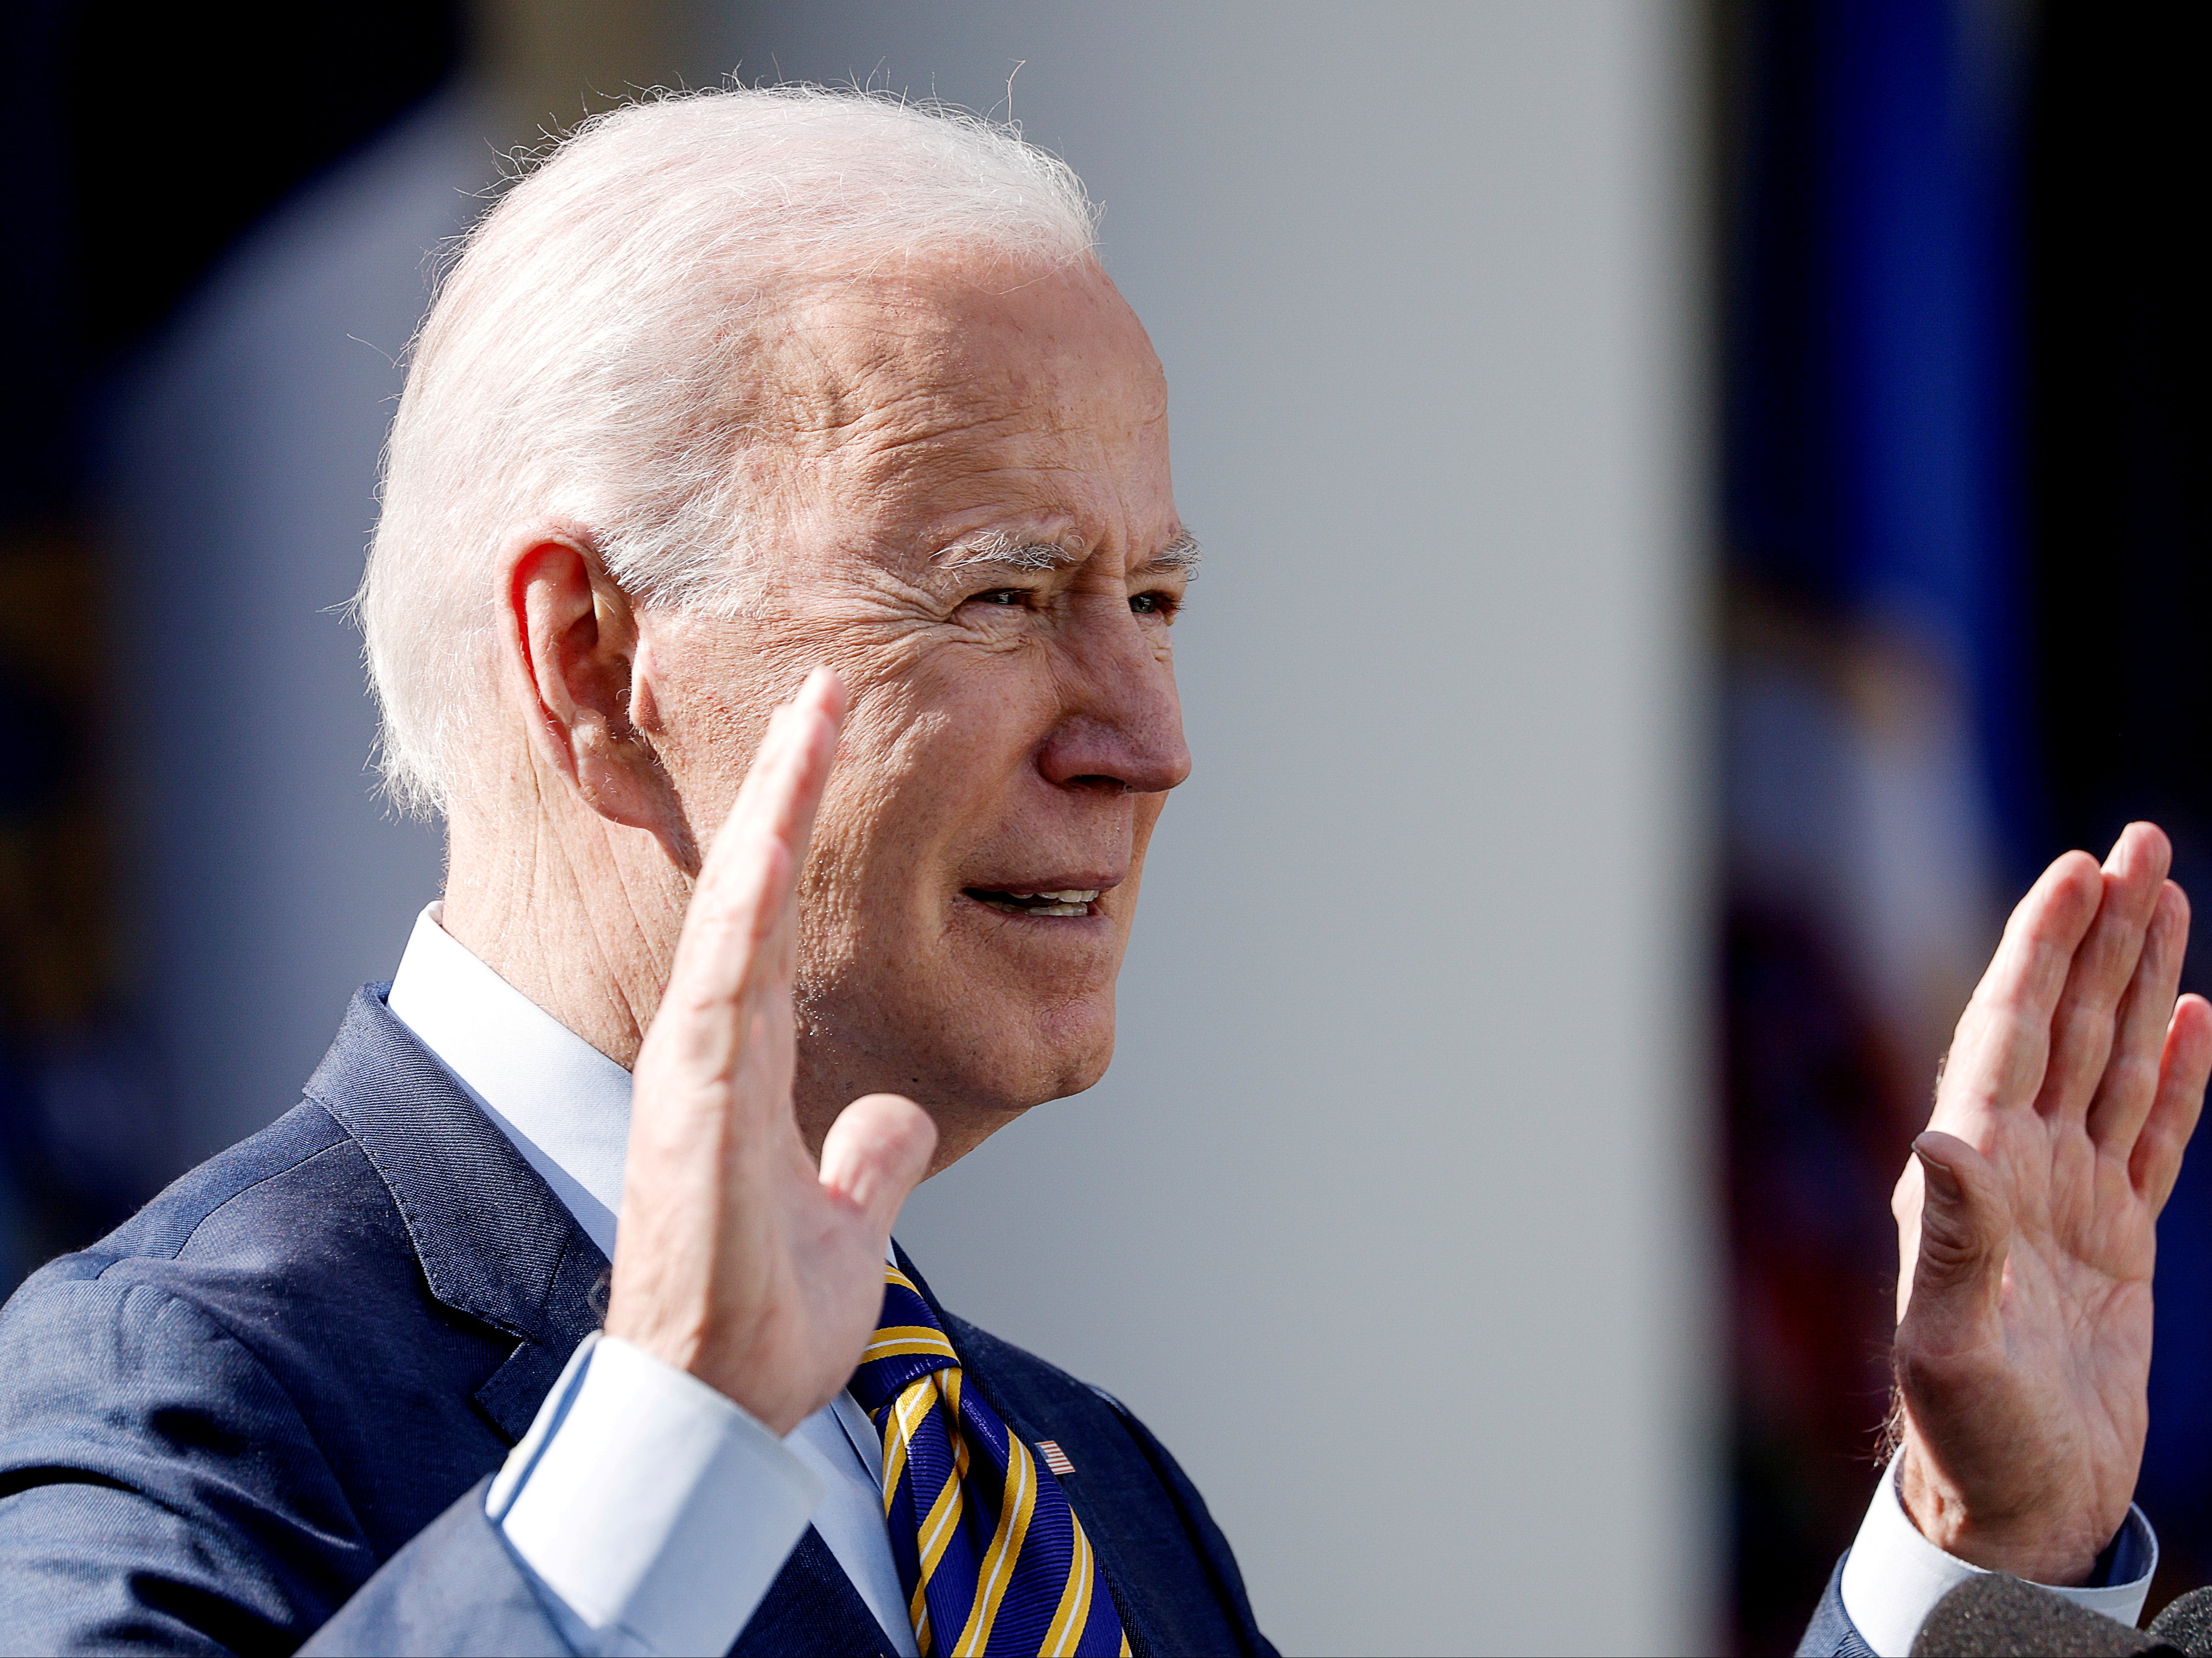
(974, 525)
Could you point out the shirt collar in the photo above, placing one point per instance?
(564, 1104)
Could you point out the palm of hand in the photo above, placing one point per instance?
(2026, 1224)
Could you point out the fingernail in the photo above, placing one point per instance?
(1944, 1182)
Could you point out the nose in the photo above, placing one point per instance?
(1121, 727)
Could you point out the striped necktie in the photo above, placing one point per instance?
(993, 1559)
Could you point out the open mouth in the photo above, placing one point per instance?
(1070, 901)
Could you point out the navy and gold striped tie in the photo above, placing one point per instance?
(993, 1559)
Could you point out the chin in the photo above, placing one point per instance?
(986, 1045)
(999, 1081)
(1073, 1045)
(1009, 1073)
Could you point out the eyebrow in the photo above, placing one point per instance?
(1179, 556)
(999, 547)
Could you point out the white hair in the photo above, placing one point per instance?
(586, 359)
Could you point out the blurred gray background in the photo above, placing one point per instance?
(1394, 1216)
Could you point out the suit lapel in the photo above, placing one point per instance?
(497, 1244)
(494, 1241)
(811, 1607)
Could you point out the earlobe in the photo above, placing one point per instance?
(576, 635)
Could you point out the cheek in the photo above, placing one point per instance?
(859, 863)
(705, 775)
(913, 787)
(951, 759)
(710, 702)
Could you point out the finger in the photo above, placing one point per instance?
(2156, 1161)
(875, 1154)
(1997, 1057)
(1904, 1203)
(737, 951)
(2081, 1029)
(2130, 1081)
(1966, 1228)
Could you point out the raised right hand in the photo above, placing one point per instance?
(2027, 1221)
(738, 1259)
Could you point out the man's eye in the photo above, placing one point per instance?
(1152, 603)
(1001, 596)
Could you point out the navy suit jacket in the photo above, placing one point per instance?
(1831, 1634)
(261, 1415)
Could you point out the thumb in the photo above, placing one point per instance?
(876, 1153)
(1965, 1231)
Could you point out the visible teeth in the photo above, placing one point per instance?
(1071, 900)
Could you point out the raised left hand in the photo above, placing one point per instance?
(2027, 1220)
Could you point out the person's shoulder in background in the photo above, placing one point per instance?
(1831, 1634)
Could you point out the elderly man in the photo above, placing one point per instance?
(773, 594)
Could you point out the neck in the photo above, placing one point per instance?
(578, 914)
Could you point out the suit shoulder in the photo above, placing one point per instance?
(236, 1237)
(999, 1357)
(1831, 1634)
(263, 1331)
(242, 1175)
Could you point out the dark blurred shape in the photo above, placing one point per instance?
(2123, 570)
(2186, 1622)
(2120, 332)
(1809, 1211)
(1880, 765)
(151, 139)
(1967, 575)
(156, 136)
(257, 104)
(1993, 1616)
(74, 1100)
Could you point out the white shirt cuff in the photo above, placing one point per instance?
(1894, 1576)
(654, 1509)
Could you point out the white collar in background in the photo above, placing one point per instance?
(564, 1104)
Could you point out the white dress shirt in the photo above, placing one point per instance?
(1893, 1575)
(655, 1513)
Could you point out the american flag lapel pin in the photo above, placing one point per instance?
(1054, 1458)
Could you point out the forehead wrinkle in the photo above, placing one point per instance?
(924, 434)
(879, 421)
(896, 416)
(895, 486)
(847, 382)
(1003, 477)
(848, 361)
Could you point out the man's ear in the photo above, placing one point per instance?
(575, 634)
